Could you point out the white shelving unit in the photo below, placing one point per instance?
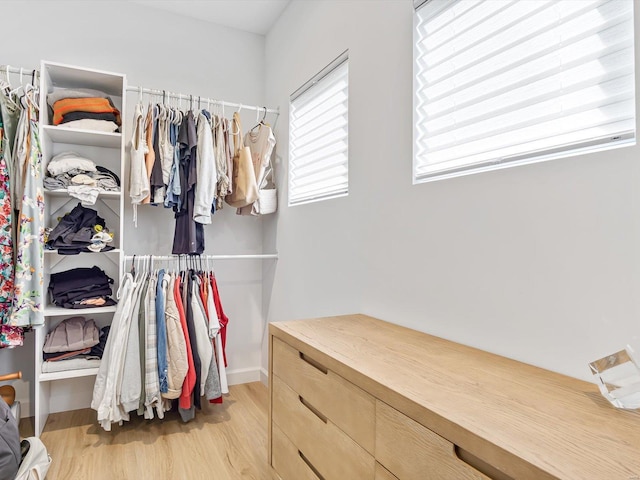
(105, 149)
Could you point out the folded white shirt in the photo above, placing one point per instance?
(91, 124)
(87, 194)
(67, 161)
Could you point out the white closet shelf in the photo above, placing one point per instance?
(83, 137)
(85, 372)
(54, 311)
(63, 192)
(55, 252)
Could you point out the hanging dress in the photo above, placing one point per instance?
(139, 187)
(28, 302)
(220, 150)
(6, 235)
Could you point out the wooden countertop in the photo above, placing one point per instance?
(528, 422)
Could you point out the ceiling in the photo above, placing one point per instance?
(255, 16)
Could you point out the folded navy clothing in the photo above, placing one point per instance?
(108, 302)
(73, 116)
(72, 288)
(54, 357)
(75, 232)
(75, 228)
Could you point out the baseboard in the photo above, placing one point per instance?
(245, 375)
(264, 376)
(25, 408)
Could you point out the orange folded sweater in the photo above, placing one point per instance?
(92, 105)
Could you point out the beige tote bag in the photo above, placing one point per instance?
(245, 187)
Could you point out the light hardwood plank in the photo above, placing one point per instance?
(227, 441)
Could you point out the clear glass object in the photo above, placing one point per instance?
(618, 377)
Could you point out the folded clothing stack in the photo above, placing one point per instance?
(77, 341)
(80, 230)
(83, 108)
(80, 176)
(81, 288)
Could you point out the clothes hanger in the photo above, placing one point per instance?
(6, 74)
(261, 121)
(30, 92)
(19, 87)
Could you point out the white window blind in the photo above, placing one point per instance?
(319, 137)
(505, 82)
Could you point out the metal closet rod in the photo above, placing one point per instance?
(194, 98)
(19, 70)
(203, 257)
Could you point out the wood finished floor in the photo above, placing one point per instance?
(224, 442)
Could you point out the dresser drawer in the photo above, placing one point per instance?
(411, 451)
(331, 452)
(286, 458)
(347, 406)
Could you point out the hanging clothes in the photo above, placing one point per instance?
(149, 156)
(139, 187)
(206, 171)
(108, 379)
(27, 309)
(165, 349)
(189, 234)
(177, 363)
(189, 383)
(220, 153)
(6, 233)
(261, 144)
(157, 184)
(172, 199)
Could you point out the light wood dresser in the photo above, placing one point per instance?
(353, 397)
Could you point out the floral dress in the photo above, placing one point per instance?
(6, 242)
(27, 300)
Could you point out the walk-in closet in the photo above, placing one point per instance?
(324, 240)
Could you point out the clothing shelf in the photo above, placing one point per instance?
(115, 251)
(82, 137)
(54, 311)
(86, 372)
(65, 193)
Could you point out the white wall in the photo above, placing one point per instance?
(538, 263)
(162, 50)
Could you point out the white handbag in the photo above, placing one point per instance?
(268, 199)
(36, 462)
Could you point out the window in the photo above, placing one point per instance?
(499, 83)
(319, 137)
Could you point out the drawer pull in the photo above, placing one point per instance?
(313, 410)
(313, 363)
(480, 465)
(313, 469)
